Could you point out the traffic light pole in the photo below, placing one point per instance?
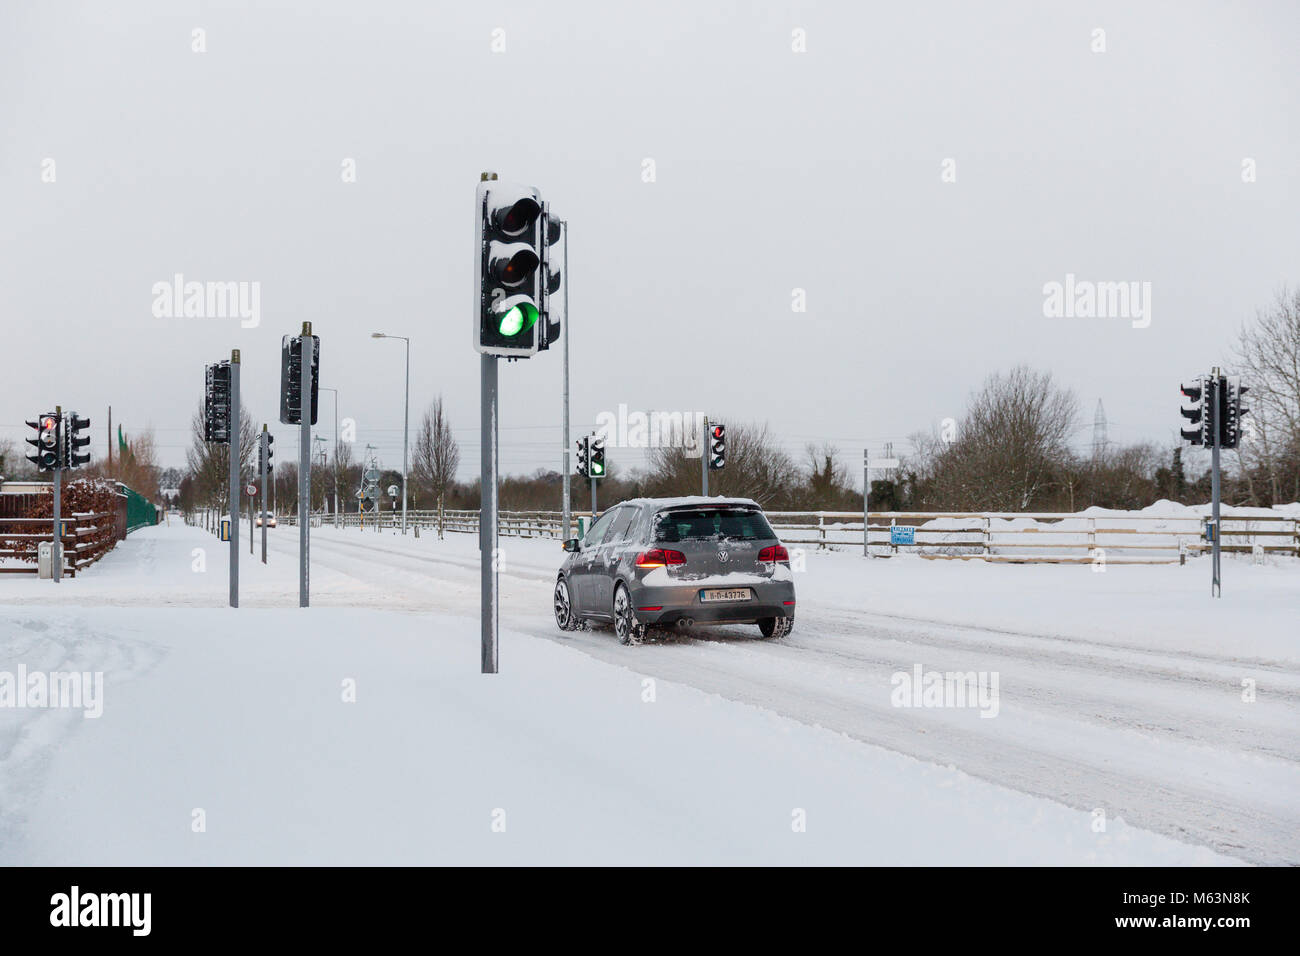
(593, 499)
(304, 470)
(488, 511)
(234, 478)
(262, 468)
(56, 572)
(1213, 409)
(565, 331)
(866, 494)
(704, 459)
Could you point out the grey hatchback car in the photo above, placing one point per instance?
(675, 562)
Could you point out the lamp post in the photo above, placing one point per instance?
(324, 493)
(336, 451)
(406, 414)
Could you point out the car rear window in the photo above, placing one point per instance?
(741, 524)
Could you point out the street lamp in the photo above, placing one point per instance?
(320, 449)
(336, 451)
(406, 415)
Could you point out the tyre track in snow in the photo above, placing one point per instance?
(1086, 723)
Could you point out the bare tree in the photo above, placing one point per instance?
(827, 487)
(1011, 448)
(342, 468)
(756, 468)
(10, 460)
(1269, 355)
(437, 455)
(209, 463)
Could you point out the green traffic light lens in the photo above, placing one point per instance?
(597, 469)
(518, 319)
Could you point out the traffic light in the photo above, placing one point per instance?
(216, 404)
(291, 379)
(74, 440)
(597, 461)
(49, 447)
(513, 238)
(583, 454)
(1231, 410)
(266, 454)
(717, 447)
(1199, 414)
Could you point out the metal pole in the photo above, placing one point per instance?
(866, 493)
(56, 572)
(251, 502)
(593, 499)
(565, 331)
(406, 420)
(304, 470)
(266, 447)
(336, 457)
(234, 478)
(488, 511)
(704, 459)
(1216, 386)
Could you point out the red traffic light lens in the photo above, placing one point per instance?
(519, 267)
(519, 217)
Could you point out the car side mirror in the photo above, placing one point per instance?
(571, 545)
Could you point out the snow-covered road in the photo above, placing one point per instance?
(1160, 737)
(1119, 692)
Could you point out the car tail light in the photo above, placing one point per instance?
(774, 553)
(659, 558)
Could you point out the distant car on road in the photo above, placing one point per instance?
(676, 562)
(270, 519)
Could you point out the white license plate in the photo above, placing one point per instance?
(711, 595)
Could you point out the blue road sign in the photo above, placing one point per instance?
(225, 529)
(902, 534)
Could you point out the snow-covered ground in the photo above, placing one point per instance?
(1120, 693)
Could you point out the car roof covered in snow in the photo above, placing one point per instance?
(689, 501)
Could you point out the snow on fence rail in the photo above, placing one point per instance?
(1117, 536)
(90, 536)
(1044, 537)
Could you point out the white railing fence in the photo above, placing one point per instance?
(1130, 537)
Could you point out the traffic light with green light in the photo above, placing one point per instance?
(514, 235)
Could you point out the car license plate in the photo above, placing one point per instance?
(711, 595)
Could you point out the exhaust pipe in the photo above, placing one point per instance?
(684, 622)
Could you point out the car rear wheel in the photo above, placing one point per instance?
(776, 626)
(564, 616)
(626, 626)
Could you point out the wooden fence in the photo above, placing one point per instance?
(88, 537)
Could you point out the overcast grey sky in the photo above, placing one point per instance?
(774, 170)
